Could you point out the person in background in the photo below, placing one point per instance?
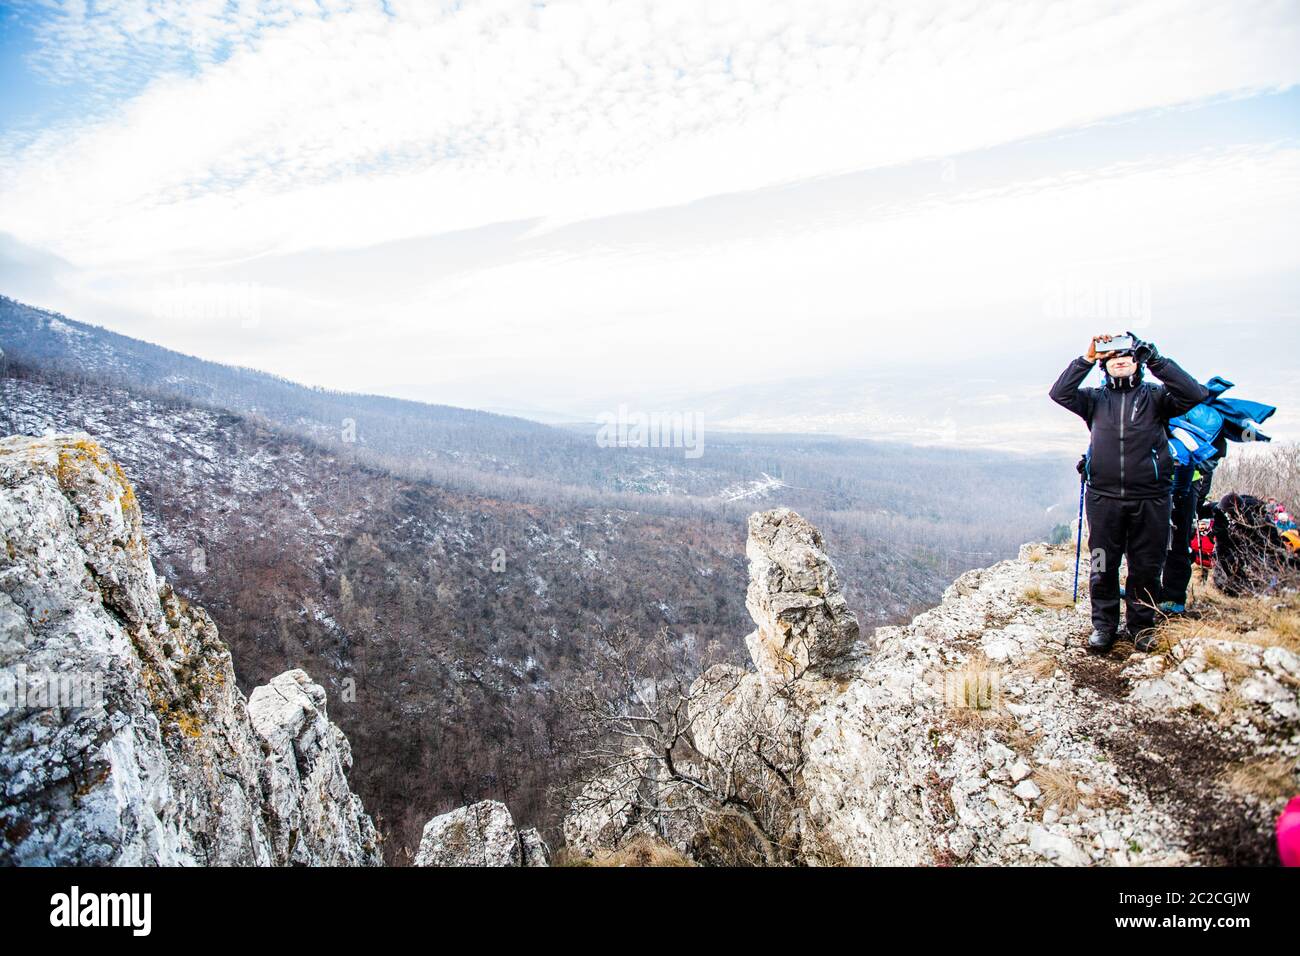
(1178, 562)
(1130, 474)
(1204, 478)
(1203, 548)
(1191, 489)
(1250, 555)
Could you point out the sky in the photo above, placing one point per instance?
(560, 207)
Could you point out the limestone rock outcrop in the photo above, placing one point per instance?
(123, 737)
(803, 620)
(311, 812)
(481, 834)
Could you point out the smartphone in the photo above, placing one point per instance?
(1120, 343)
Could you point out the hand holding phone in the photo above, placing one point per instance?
(1103, 346)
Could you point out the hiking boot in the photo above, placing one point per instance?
(1147, 641)
(1169, 607)
(1099, 642)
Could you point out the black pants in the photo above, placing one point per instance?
(1138, 530)
(1178, 562)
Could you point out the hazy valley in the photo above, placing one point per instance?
(441, 571)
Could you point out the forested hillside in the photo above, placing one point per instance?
(442, 605)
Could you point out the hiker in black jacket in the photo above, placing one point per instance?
(1130, 477)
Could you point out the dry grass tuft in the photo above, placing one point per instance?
(1242, 613)
(1048, 597)
(1178, 629)
(1060, 789)
(968, 718)
(1268, 780)
(1022, 741)
(972, 694)
(1040, 665)
(1232, 706)
(1221, 660)
(1259, 621)
(1211, 626)
(1035, 555)
(976, 685)
(1284, 627)
(1058, 564)
(1105, 796)
(640, 851)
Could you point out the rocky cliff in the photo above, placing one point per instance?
(981, 733)
(124, 737)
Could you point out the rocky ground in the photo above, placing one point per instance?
(1073, 759)
(980, 733)
(984, 733)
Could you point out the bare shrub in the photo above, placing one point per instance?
(713, 761)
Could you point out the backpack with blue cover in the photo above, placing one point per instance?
(1192, 436)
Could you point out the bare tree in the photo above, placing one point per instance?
(1267, 472)
(710, 763)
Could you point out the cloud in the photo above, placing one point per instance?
(523, 203)
(757, 287)
(275, 126)
(116, 46)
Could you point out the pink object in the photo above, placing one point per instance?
(1288, 833)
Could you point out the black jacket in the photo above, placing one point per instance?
(1129, 453)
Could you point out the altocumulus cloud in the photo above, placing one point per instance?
(272, 125)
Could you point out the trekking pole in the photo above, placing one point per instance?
(1078, 541)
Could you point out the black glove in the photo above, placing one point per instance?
(1144, 353)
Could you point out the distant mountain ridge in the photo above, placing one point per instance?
(388, 425)
(461, 576)
(466, 447)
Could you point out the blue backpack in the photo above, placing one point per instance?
(1192, 435)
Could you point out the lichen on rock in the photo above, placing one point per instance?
(156, 759)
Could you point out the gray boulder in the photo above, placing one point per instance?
(481, 834)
